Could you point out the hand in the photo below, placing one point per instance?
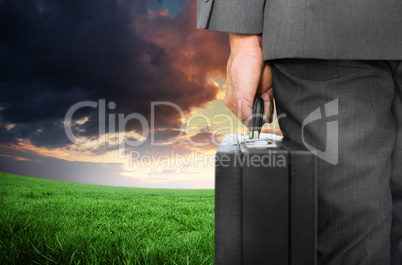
(247, 75)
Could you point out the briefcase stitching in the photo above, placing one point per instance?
(239, 172)
(218, 249)
(313, 202)
(292, 218)
(314, 183)
(312, 212)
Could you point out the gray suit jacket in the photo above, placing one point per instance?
(323, 29)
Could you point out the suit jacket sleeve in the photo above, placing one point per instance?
(234, 16)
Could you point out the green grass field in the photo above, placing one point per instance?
(53, 222)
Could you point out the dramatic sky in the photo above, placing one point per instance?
(105, 62)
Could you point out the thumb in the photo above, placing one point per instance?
(265, 91)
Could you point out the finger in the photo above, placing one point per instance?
(246, 108)
(268, 105)
(241, 108)
(265, 80)
(265, 91)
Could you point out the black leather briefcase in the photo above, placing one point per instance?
(265, 203)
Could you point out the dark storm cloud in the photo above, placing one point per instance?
(167, 135)
(51, 134)
(56, 53)
(206, 140)
(47, 133)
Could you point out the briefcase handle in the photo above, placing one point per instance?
(257, 118)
